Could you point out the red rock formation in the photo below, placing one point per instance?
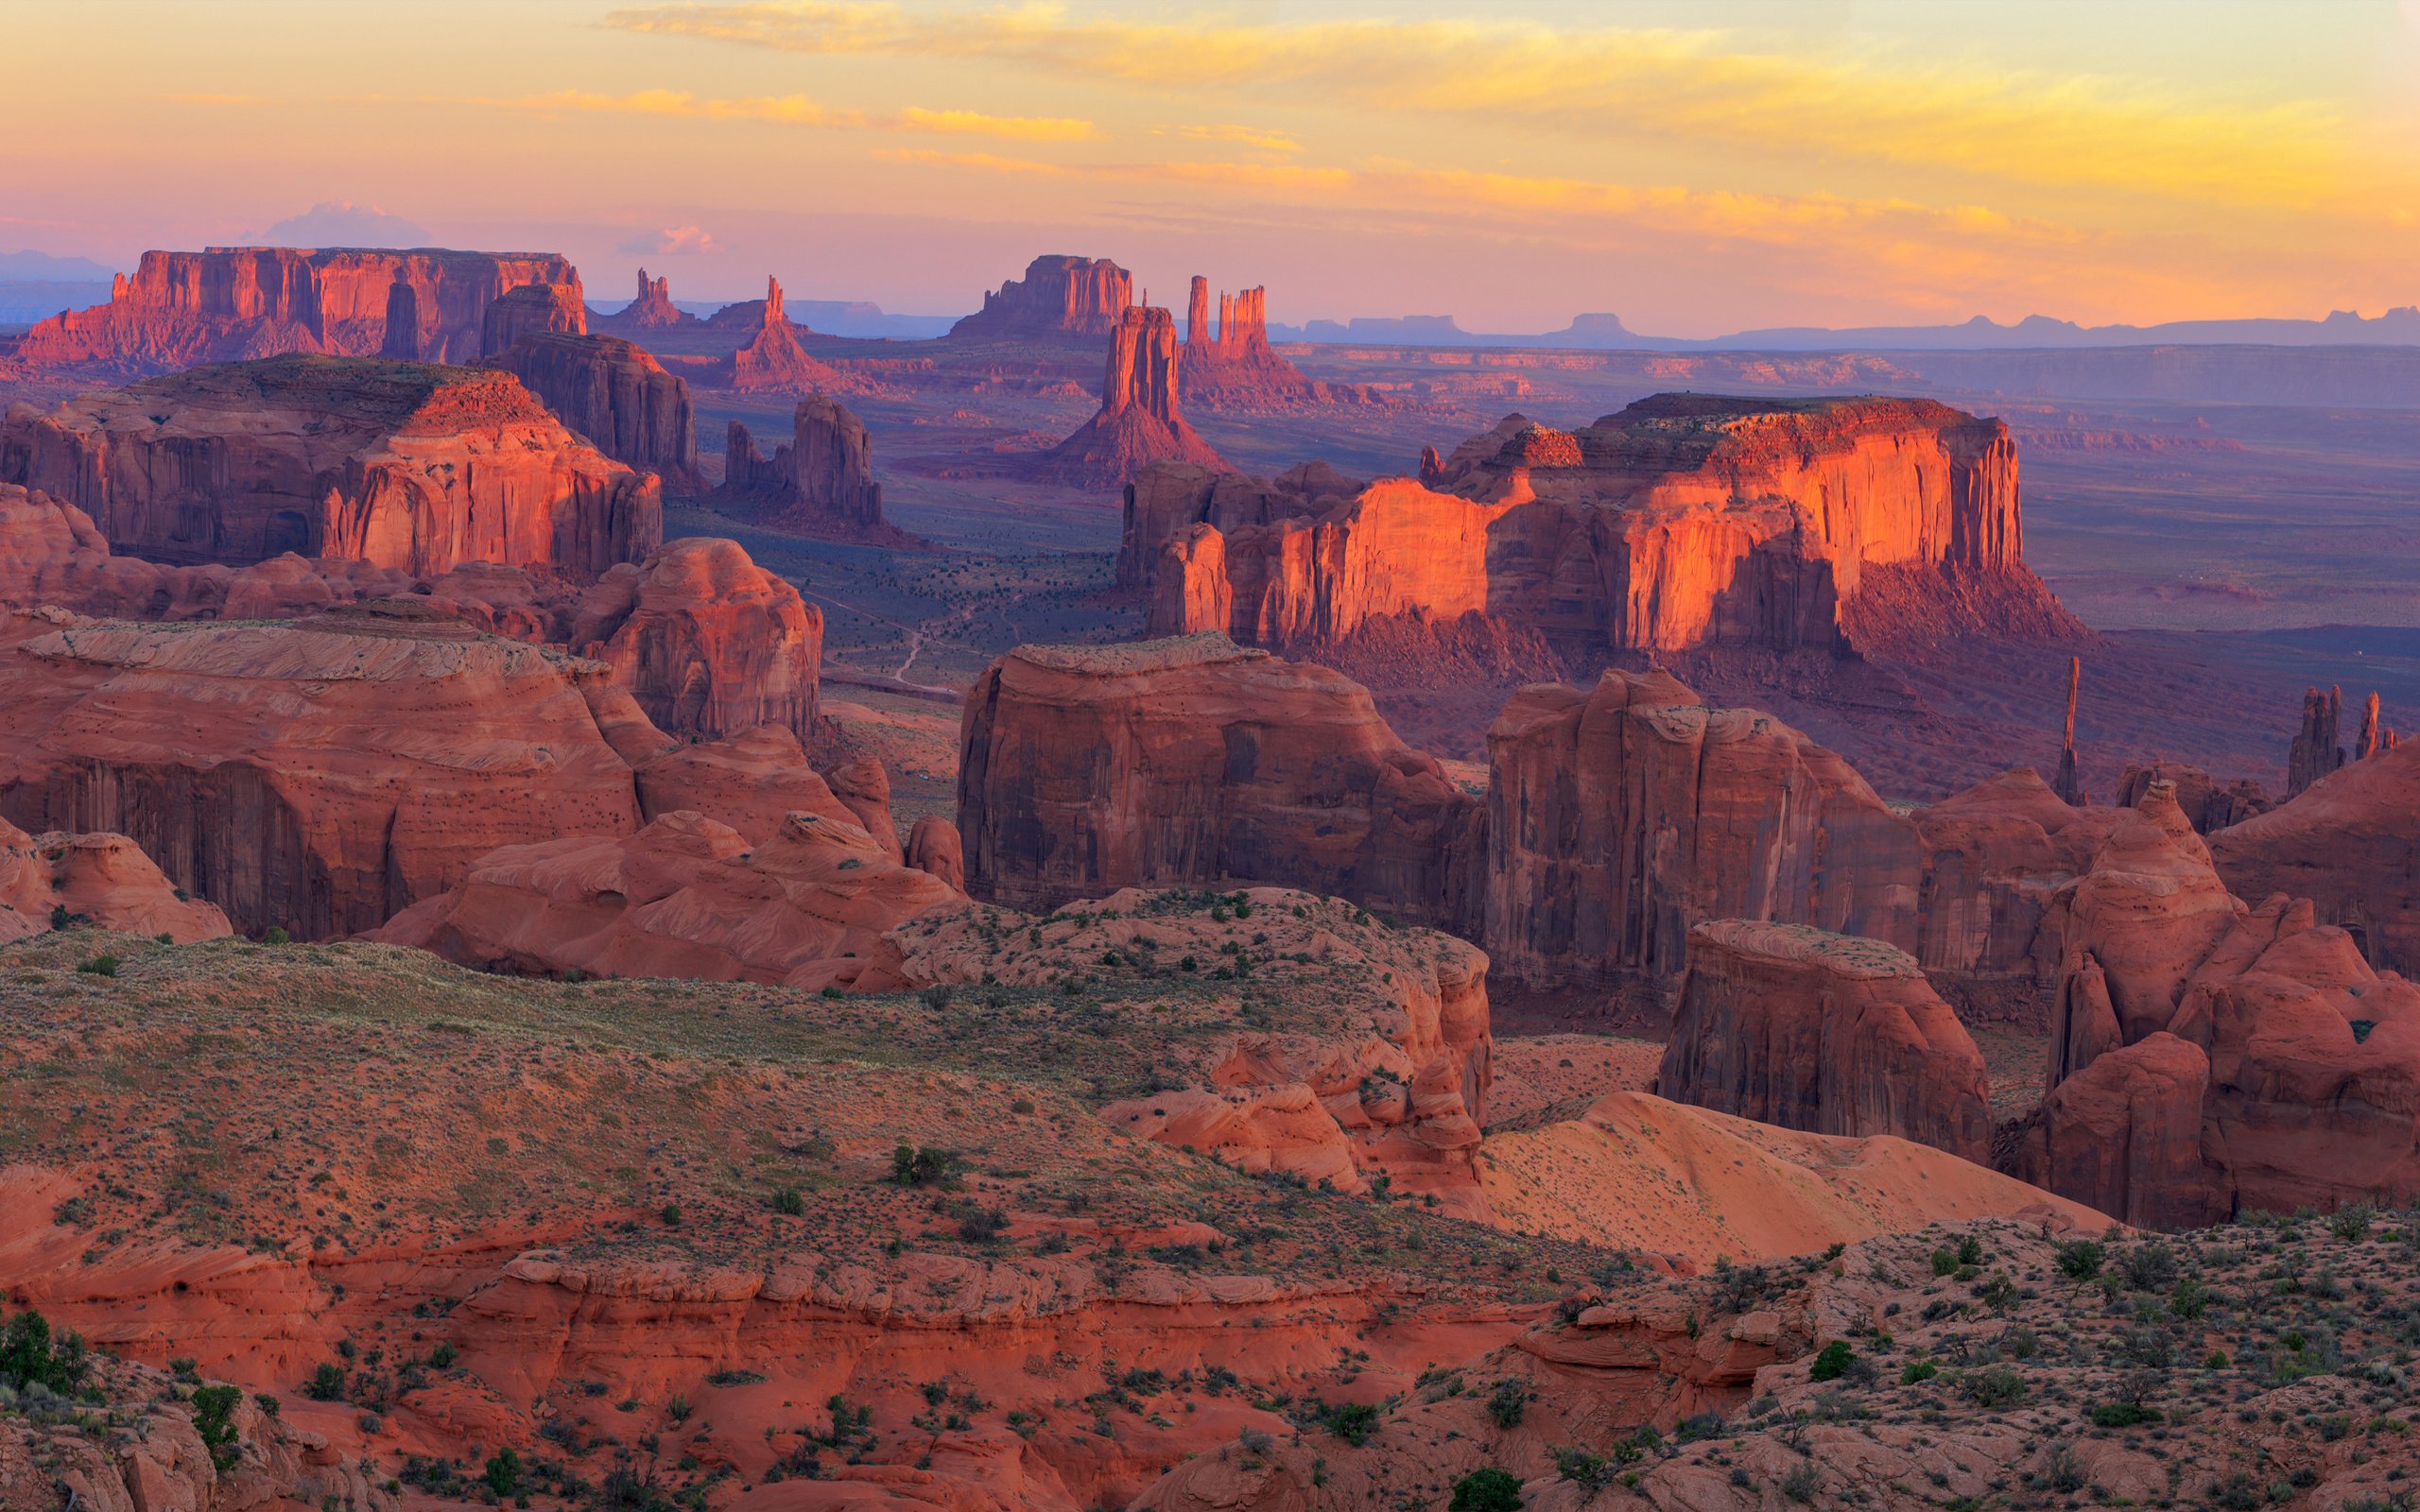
(705, 640)
(2209, 1058)
(1166, 499)
(2069, 786)
(1682, 521)
(1139, 422)
(1086, 770)
(822, 483)
(863, 785)
(1059, 297)
(2210, 807)
(232, 303)
(772, 360)
(56, 879)
(686, 897)
(1620, 817)
(1826, 1033)
(933, 846)
(653, 307)
(2347, 843)
(400, 465)
(1996, 859)
(2315, 752)
(533, 308)
(317, 775)
(1235, 369)
(615, 395)
(751, 782)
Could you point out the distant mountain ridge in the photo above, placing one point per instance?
(2396, 327)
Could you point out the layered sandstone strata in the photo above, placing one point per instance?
(232, 303)
(1059, 297)
(1233, 367)
(613, 394)
(402, 465)
(1683, 522)
(822, 480)
(1140, 420)
(2209, 1057)
(1194, 761)
(1828, 1033)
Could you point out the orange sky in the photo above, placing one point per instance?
(1693, 168)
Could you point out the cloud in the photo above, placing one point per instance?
(343, 223)
(1616, 83)
(1239, 135)
(790, 110)
(671, 241)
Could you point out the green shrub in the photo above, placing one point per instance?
(1487, 1491)
(213, 1418)
(1916, 1371)
(671, 1215)
(2123, 1415)
(789, 1203)
(101, 966)
(30, 1356)
(503, 1472)
(326, 1383)
(2080, 1260)
(1508, 1403)
(276, 935)
(1354, 1422)
(1832, 1362)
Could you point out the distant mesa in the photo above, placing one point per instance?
(231, 302)
(1140, 420)
(611, 391)
(653, 309)
(820, 483)
(1059, 296)
(1234, 367)
(398, 464)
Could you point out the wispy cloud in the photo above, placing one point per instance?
(1237, 135)
(671, 241)
(2009, 127)
(787, 110)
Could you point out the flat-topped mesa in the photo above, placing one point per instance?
(402, 465)
(1059, 297)
(1826, 1033)
(653, 308)
(614, 393)
(532, 308)
(1235, 368)
(1139, 422)
(231, 302)
(772, 358)
(822, 481)
(1194, 761)
(1684, 521)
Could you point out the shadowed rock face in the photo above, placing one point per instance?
(2349, 844)
(233, 302)
(1683, 522)
(55, 880)
(615, 395)
(1828, 1033)
(2209, 1057)
(1059, 295)
(1193, 761)
(823, 479)
(401, 465)
(1235, 367)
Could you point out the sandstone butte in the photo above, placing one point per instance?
(1829, 1033)
(323, 774)
(2209, 1057)
(402, 465)
(228, 304)
(652, 308)
(1614, 819)
(2346, 844)
(614, 393)
(1683, 522)
(1139, 421)
(708, 643)
(1059, 297)
(1233, 367)
(820, 483)
(56, 879)
(771, 359)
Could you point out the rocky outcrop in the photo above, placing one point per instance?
(934, 846)
(2349, 844)
(806, 907)
(1234, 367)
(2315, 752)
(1059, 297)
(1620, 817)
(705, 640)
(821, 483)
(233, 302)
(2209, 1057)
(615, 395)
(1998, 858)
(1684, 521)
(1168, 499)
(57, 881)
(1086, 770)
(534, 309)
(1826, 1033)
(771, 359)
(401, 465)
(1139, 422)
(2070, 783)
(2207, 806)
(653, 308)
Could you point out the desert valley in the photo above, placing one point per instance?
(612, 902)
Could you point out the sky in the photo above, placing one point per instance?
(1694, 168)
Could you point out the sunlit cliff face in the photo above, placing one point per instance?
(1697, 170)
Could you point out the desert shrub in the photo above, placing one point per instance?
(1354, 1422)
(788, 1202)
(1508, 1403)
(503, 1472)
(2080, 1260)
(1831, 1362)
(99, 966)
(1487, 1491)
